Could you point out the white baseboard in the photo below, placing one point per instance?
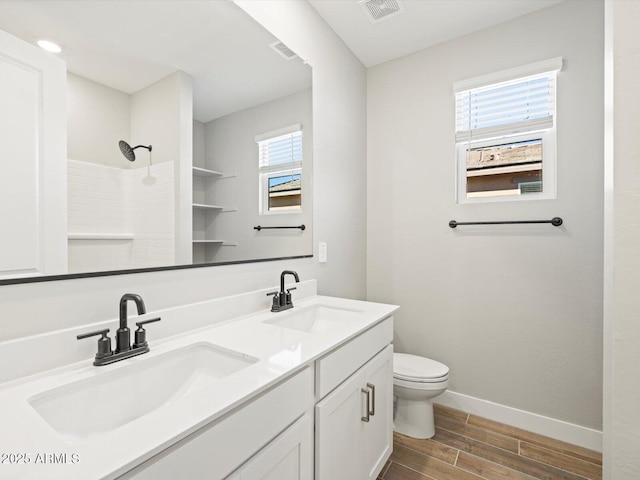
(550, 427)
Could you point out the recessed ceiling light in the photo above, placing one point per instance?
(49, 46)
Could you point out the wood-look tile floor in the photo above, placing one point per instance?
(466, 447)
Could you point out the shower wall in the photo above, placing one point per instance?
(119, 219)
(126, 214)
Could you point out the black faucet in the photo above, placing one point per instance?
(123, 334)
(282, 299)
(124, 349)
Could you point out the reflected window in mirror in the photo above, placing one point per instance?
(505, 135)
(280, 168)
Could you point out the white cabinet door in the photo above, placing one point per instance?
(338, 419)
(228, 443)
(33, 163)
(354, 429)
(288, 457)
(377, 434)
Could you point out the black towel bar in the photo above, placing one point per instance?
(555, 221)
(301, 227)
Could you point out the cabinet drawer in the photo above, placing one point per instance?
(217, 449)
(337, 366)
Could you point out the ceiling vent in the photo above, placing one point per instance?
(283, 50)
(379, 10)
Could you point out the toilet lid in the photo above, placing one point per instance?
(416, 368)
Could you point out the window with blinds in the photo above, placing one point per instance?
(505, 134)
(506, 108)
(284, 150)
(280, 166)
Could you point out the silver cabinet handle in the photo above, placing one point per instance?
(367, 413)
(372, 410)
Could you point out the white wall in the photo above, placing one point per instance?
(339, 150)
(622, 262)
(154, 120)
(231, 148)
(198, 144)
(515, 311)
(339, 81)
(98, 118)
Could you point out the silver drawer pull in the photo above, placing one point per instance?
(372, 410)
(368, 394)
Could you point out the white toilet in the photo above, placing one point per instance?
(416, 381)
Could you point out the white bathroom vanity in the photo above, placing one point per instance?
(228, 390)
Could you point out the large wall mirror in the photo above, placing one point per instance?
(188, 125)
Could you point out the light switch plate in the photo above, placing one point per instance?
(322, 252)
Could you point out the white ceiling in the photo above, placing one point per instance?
(130, 44)
(424, 23)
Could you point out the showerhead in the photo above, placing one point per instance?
(128, 151)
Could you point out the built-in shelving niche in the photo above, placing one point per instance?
(204, 214)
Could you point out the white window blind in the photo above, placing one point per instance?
(512, 107)
(280, 152)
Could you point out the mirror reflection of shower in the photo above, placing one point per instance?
(128, 152)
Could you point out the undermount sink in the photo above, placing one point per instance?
(113, 399)
(312, 319)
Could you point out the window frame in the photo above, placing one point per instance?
(265, 173)
(265, 176)
(549, 173)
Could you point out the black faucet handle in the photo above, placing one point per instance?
(141, 333)
(82, 336)
(272, 293)
(104, 342)
(144, 322)
(287, 297)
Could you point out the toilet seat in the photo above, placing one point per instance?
(413, 368)
(438, 384)
(421, 380)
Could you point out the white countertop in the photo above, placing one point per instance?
(280, 352)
